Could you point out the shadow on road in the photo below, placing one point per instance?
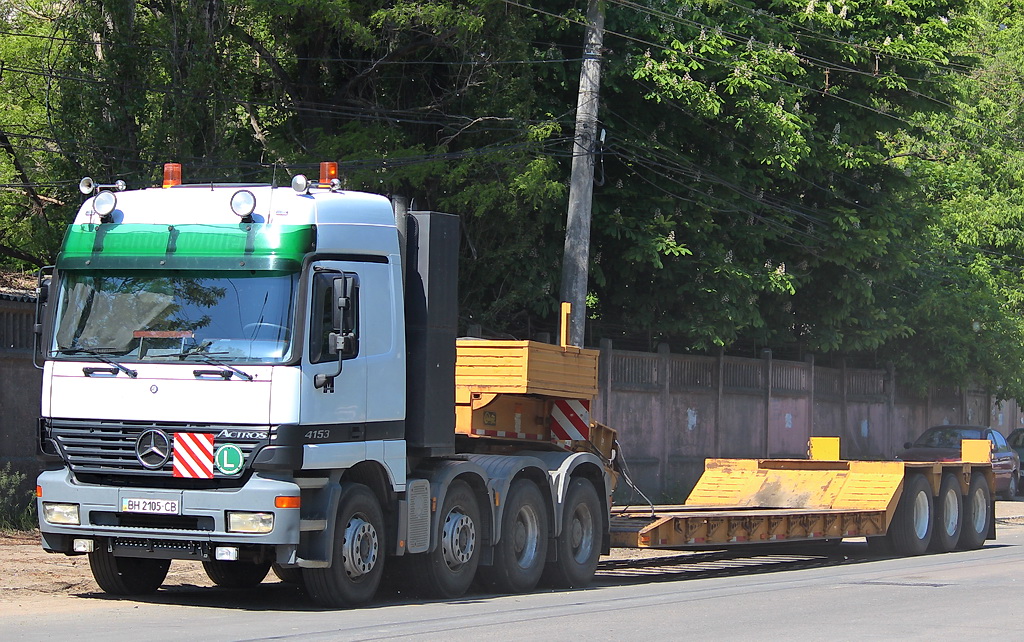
(670, 567)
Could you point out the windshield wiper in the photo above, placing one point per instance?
(101, 356)
(200, 350)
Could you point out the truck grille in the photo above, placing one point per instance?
(96, 447)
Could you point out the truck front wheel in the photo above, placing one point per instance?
(578, 548)
(127, 575)
(522, 550)
(236, 574)
(448, 570)
(358, 559)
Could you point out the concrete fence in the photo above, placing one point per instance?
(20, 385)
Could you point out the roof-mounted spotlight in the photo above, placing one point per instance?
(104, 204)
(243, 203)
(300, 184)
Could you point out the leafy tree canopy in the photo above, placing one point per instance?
(837, 177)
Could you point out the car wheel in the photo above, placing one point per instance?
(1011, 490)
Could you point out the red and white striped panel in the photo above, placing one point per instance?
(193, 455)
(570, 419)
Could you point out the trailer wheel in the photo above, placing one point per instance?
(449, 569)
(949, 515)
(578, 547)
(977, 514)
(236, 574)
(127, 575)
(358, 560)
(522, 550)
(911, 528)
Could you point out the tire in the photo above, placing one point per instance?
(978, 514)
(911, 527)
(949, 515)
(522, 550)
(358, 560)
(127, 575)
(1011, 490)
(578, 547)
(449, 569)
(288, 575)
(236, 574)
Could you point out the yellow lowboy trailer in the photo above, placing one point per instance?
(909, 507)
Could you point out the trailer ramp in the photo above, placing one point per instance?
(741, 501)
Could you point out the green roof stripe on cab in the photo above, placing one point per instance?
(185, 246)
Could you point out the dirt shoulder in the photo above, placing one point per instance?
(29, 574)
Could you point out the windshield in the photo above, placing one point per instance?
(149, 315)
(946, 437)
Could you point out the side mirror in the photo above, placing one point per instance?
(343, 340)
(43, 280)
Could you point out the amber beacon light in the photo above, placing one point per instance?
(328, 172)
(172, 174)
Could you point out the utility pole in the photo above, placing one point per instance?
(576, 258)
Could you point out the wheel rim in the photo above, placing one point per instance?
(581, 533)
(979, 511)
(922, 514)
(951, 512)
(361, 547)
(526, 536)
(458, 540)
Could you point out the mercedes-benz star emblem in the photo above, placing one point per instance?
(153, 449)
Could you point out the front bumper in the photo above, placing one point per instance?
(199, 526)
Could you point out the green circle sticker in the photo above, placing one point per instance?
(229, 459)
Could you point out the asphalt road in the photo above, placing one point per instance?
(839, 594)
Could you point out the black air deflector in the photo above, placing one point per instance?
(431, 315)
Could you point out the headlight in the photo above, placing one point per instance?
(239, 522)
(55, 513)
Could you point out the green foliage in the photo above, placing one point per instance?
(17, 505)
(839, 177)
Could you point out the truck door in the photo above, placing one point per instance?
(333, 393)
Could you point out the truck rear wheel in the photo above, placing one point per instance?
(449, 569)
(358, 560)
(578, 548)
(949, 515)
(977, 514)
(520, 554)
(236, 574)
(911, 528)
(127, 575)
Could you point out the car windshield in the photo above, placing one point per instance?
(148, 315)
(946, 437)
(1016, 438)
